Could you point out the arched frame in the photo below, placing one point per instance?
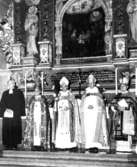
(62, 7)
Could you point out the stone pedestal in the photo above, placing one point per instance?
(29, 60)
(45, 52)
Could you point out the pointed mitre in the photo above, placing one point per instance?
(91, 78)
(124, 80)
(64, 81)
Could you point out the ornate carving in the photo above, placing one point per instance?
(104, 77)
(32, 2)
(19, 78)
(19, 16)
(120, 45)
(132, 15)
(31, 79)
(7, 35)
(17, 53)
(31, 28)
(45, 52)
(120, 16)
(80, 7)
(17, 1)
(58, 37)
(46, 20)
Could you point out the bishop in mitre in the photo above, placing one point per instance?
(93, 116)
(67, 134)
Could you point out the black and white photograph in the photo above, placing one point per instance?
(68, 83)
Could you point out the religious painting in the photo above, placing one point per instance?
(83, 33)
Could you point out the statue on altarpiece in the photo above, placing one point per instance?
(31, 28)
(67, 133)
(132, 12)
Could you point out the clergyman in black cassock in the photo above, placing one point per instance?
(12, 107)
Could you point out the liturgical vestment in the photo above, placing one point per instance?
(38, 128)
(67, 121)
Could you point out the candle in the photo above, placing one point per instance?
(136, 81)
(25, 85)
(116, 80)
(42, 86)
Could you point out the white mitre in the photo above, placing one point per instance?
(64, 81)
(91, 78)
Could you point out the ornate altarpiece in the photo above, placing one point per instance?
(106, 56)
(75, 38)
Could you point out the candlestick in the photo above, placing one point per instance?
(136, 81)
(25, 85)
(116, 80)
(42, 85)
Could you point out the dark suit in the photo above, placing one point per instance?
(12, 130)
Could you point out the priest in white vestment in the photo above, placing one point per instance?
(93, 116)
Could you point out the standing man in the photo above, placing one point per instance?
(67, 122)
(132, 13)
(38, 123)
(123, 115)
(93, 114)
(12, 107)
